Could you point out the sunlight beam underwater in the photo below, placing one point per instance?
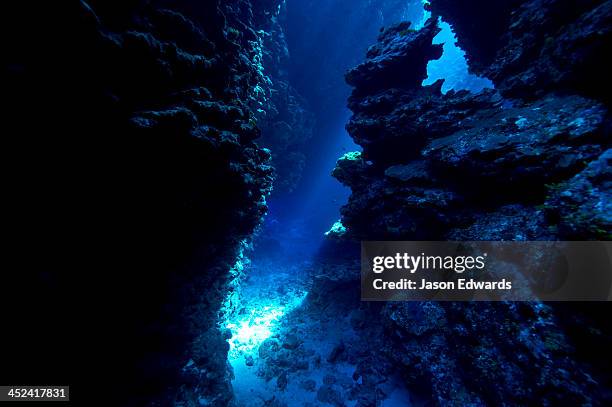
(249, 331)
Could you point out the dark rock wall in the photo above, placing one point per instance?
(455, 159)
(535, 47)
(284, 116)
(132, 177)
(528, 161)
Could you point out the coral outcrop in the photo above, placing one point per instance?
(444, 161)
(528, 160)
(284, 117)
(535, 47)
(132, 134)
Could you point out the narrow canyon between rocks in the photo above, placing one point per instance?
(189, 183)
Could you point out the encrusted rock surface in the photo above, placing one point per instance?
(132, 131)
(284, 117)
(446, 160)
(534, 47)
(583, 204)
(527, 161)
(486, 354)
(398, 60)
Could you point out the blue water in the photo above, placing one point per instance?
(300, 219)
(452, 66)
(276, 278)
(322, 49)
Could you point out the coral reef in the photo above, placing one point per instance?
(526, 161)
(442, 162)
(534, 47)
(326, 352)
(133, 136)
(284, 117)
(143, 137)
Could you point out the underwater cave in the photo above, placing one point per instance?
(192, 185)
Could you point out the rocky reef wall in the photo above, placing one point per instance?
(529, 160)
(133, 181)
(535, 47)
(284, 116)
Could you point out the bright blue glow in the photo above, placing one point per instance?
(337, 229)
(253, 314)
(426, 15)
(249, 331)
(452, 66)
